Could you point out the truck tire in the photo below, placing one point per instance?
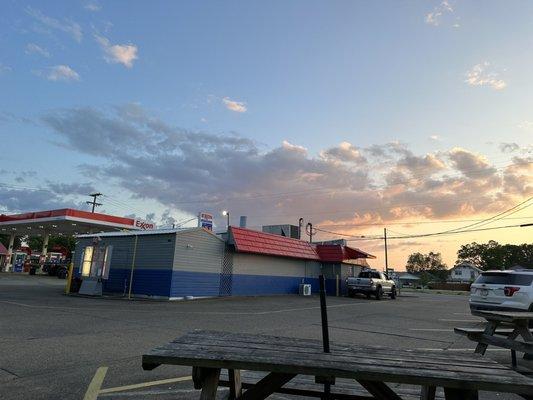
(393, 293)
(379, 293)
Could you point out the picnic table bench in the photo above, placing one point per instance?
(378, 370)
(519, 327)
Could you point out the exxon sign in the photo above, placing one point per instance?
(144, 225)
(205, 220)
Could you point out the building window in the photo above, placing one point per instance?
(87, 260)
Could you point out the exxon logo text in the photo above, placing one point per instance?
(144, 225)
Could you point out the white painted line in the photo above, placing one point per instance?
(431, 330)
(430, 349)
(460, 320)
(96, 384)
(145, 384)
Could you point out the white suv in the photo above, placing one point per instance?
(503, 290)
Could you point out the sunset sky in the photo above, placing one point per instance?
(355, 115)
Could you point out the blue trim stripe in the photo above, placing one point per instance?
(174, 283)
(149, 282)
(187, 283)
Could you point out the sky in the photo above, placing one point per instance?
(356, 116)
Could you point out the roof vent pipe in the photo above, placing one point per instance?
(242, 221)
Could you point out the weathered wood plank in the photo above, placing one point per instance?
(209, 383)
(504, 316)
(266, 386)
(427, 392)
(379, 390)
(347, 389)
(486, 376)
(235, 384)
(526, 347)
(481, 347)
(435, 358)
(353, 359)
(306, 345)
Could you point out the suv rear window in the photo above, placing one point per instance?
(497, 278)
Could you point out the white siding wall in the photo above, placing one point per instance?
(255, 264)
(198, 251)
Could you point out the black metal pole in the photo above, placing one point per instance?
(325, 328)
(324, 314)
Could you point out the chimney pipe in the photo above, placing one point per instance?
(242, 222)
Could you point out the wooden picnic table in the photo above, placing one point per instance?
(374, 368)
(519, 327)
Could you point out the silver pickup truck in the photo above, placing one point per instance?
(371, 282)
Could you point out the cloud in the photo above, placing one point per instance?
(509, 147)
(525, 125)
(237, 106)
(94, 7)
(434, 17)
(32, 48)
(15, 200)
(482, 75)
(344, 152)
(59, 73)
(435, 138)
(124, 54)
(67, 26)
(187, 171)
(470, 164)
(4, 68)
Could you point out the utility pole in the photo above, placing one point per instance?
(94, 203)
(386, 255)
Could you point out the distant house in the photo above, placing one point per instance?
(407, 279)
(464, 272)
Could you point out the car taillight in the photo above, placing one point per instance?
(510, 290)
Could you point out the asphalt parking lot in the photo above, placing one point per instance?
(51, 345)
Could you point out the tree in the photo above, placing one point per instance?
(493, 255)
(431, 262)
(36, 242)
(4, 239)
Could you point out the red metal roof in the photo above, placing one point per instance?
(339, 253)
(249, 241)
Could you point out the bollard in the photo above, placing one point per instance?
(69, 278)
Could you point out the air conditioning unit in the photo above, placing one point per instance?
(305, 289)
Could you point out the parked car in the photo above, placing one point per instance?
(59, 269)
(510, 290)
(371, 283)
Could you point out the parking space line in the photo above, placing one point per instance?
(430, 330)
(460, 320)
(430, 349)
(96, 384)
(145, 384)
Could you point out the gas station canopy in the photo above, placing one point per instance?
(66, 221)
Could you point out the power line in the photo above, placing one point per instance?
(441, 221)
(461, 229)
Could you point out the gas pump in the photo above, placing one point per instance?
(19, 259)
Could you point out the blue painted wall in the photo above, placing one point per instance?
(149, 282)
(187, 283)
